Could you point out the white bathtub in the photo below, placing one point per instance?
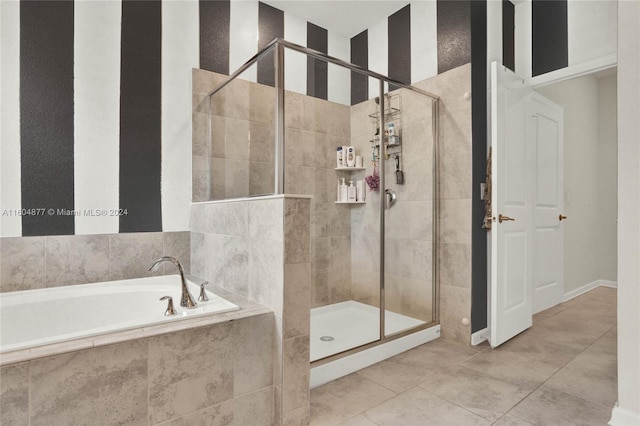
(40, 317)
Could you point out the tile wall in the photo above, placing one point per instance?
(314, 129)
(38, 262)
(233, 138)
(260, 248)
(218, 374)
(233, 154)
(454, 250)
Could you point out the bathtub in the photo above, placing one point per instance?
(35, 318)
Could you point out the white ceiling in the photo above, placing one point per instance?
(347, 18)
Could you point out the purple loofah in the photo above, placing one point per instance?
(373, 180)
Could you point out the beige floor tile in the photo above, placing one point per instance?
(509, 420)
(359, 420)
(396, 375)
(344, 398)
(436, 353)
(483, 395)
(417, 407)
(547, 345)
(524, 372)
(547, 406)
(592, 375)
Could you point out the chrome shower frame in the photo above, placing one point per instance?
(278, 46)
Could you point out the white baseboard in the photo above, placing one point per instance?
(624, 417)
(480, 336)
(587, 287)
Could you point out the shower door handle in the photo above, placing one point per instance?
(391, 197)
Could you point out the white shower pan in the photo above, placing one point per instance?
(342, 326)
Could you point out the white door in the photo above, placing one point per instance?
(545, 135)
(526, 254)
(510, 292)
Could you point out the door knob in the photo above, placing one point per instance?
(504, 218)
(560, 217)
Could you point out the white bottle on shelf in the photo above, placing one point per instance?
(351, 192)
(351, 157)
(344, 195)
(360, 191)
(339, 157)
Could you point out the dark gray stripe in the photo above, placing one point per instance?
(508, 35)
(399, 42)
(479, 156)
(270, 26)
(46, 116)
(359, 56)
(214, 35)
(317, 77)
(549, 36)
(140, 115)
(453, 33)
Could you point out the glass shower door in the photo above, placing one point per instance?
(408, 239)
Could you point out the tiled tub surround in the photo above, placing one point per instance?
(28, 263)
(259, 248)
(213, 371)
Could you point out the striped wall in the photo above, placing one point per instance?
(96, 108)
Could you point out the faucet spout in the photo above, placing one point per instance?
(186, 300)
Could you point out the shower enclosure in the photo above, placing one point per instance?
(272, 129)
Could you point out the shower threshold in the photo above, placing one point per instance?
(342, 326)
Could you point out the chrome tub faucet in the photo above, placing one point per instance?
(186, 300)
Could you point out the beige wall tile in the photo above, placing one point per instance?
(295, 373)
(265, 220)
(261, 178)
(237, 139)
(455, 221)
(455, 304)
(131, 255)
(201, 137)
(262, 103)
(455, 265)
(297, 282)
(22, 263)
(262, 142)
(266, 273)
(189, 370)
(71, 388)
(216, 136)
(255, 408)
(252, 354)
(293, 109)
(297, 417)
(200, 178)
(178, 245)
(297, 223)
(14, 394)
(76, 259)
(215, 415)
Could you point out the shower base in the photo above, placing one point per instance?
(342, 326)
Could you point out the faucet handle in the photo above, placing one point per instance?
(170, 310)
(203, 295)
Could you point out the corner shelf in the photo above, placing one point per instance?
(349, 169)
(350, 202)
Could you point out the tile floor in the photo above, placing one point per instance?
(561, 371)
